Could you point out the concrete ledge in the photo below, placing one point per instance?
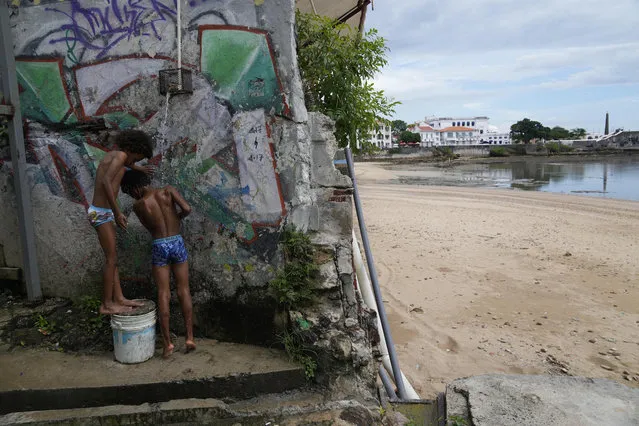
(241, 387)
(35, 379)
(287, 409)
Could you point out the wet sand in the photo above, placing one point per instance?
(494, 280)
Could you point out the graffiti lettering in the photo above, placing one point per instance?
(100, 29)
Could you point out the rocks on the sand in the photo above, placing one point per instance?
(606, 367)
(538, 323)
(592, 341)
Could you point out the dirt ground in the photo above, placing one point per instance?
(493, 280)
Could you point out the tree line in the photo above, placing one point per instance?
(526, 130)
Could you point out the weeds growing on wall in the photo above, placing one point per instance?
(293, 289)
(293, 285)
(337, 66)
(297, 345)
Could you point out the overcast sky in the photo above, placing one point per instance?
(561, 62)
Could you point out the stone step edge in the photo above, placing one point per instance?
(239, 386)
(196, 411)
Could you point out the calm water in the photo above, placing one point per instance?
(609, 178)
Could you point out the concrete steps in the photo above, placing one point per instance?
(45, 380)
(293, 408)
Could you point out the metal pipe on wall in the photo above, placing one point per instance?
(9, 88)
(373, 275)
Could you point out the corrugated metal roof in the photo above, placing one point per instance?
(333, 8)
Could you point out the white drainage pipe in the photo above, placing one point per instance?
(366, 291)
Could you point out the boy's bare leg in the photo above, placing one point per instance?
(118, 296)
(106, 236)
(181, 273)
(161, 275)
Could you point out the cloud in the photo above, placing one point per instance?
(451, 56)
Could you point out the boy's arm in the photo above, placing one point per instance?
(147, 170)
(114, 168)
(180, 201)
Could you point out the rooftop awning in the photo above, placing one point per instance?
(353, 12)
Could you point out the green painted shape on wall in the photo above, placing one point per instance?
(122, 120)
(44, 97)
(184, 175)
(240, 65)
(95, 154)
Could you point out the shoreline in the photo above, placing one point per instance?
(574, 157)
(478, 280)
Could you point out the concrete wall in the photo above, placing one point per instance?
(80, 62)
(241, 148)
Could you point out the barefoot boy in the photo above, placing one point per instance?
(133, 146)
(157, 211)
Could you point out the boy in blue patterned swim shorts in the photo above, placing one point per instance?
(157, 211)
(104, 212)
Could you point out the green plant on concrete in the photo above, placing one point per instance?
(293, 289)
(337, 66)
(457, 421)
(498, 151)
(293, 285)
(43, 325)
(297, 346)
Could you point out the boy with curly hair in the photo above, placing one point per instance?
(157, 209)
(104, 212)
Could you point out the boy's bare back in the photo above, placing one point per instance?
(111, 169)
(157, 211)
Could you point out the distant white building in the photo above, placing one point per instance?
(429, 136)
(458, 135)
(464, 131)
(381, 137)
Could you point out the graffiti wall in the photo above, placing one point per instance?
(88, 68)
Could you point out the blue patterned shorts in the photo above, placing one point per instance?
(99, 215)
(169, 250)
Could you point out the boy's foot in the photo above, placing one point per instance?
(190, 346)
(113, 308)
(168, 350)
(130, 303)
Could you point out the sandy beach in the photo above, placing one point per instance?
(494, 280)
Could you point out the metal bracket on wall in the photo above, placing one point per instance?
(6, 111)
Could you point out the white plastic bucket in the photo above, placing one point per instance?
(133, 337)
